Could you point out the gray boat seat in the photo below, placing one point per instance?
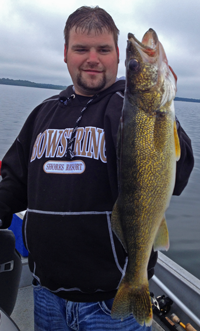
(10, 271)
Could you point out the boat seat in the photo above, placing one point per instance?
(10, 271)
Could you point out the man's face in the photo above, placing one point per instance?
(92, 61)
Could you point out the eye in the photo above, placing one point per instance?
(104, 50)
(134, 65)
(80, 50)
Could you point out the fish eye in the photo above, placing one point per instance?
(134, 65)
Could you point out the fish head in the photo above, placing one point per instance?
(147, 70)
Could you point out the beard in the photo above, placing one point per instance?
(92, 87)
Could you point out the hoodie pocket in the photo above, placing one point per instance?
(64, 245)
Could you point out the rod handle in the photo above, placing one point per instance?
(189, 327)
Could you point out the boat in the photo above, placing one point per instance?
(181, 292)
(175, 295)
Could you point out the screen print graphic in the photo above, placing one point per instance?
(52, 143)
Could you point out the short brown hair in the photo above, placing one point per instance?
(91, 18)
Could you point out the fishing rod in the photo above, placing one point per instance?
(161, 306)
(187, 327)
(186, 310)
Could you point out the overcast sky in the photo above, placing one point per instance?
(31, 37)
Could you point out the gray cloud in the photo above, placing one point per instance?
(32, 37)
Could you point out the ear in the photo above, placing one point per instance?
(65, 53)
(118, 53)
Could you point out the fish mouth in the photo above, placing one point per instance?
(148, 48)
(149, 40)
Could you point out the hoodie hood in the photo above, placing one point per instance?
(118, 86)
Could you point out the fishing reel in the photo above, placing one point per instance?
(161, 304)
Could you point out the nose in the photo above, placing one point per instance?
(93, 57)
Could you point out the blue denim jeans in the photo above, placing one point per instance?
(52, 313)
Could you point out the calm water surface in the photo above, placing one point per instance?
(183, 214)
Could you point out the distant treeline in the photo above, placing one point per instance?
(19, 82)
(186, 99)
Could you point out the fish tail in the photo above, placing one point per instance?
(136, 300)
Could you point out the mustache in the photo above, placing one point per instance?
(93, 67)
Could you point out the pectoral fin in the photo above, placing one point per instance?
(161, 241)
(177, 143)
(116, 225)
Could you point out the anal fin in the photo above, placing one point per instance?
(161, 241)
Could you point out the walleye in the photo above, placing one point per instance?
(148, 148)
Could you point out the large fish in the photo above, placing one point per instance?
(148, 148)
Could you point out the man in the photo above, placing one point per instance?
(62, 169)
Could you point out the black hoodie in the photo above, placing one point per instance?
(72, 249)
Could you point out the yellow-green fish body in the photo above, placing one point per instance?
(148, 147)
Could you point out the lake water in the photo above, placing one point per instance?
(183, 214)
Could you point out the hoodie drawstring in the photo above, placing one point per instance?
(69, 152)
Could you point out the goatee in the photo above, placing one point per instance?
(88, 88)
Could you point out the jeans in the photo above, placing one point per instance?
(52, 313)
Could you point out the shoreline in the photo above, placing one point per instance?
(26, 83)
